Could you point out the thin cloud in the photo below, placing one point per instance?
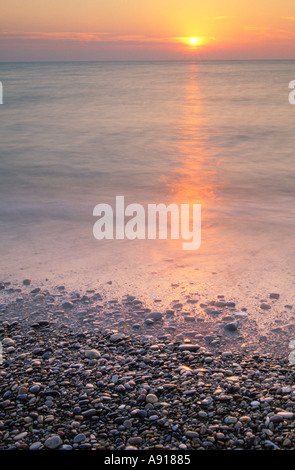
(77, 37)
(53, 36)
(271, 33)
(218, 18)
(91, 37)
(256, 28)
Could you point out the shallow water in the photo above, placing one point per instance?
(221, 134)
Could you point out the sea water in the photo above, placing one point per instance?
(219, 134)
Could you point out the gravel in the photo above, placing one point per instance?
(69, 381)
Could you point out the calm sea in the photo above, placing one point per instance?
(74, 135)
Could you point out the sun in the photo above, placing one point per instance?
(193, 41)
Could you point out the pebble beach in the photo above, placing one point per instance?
(80, 371)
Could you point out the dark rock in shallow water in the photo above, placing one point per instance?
(35, 291)
(231, 326)
(219, 304)
(189, 318)
(264, 306)
(170, 312)
(155, 316)
(274, 296)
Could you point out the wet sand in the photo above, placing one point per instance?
(263, 324)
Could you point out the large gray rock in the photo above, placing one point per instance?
(53, 442)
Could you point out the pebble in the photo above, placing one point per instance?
(92, 354)
(189, 347)
(79, 438)
(230, 420)
(191, 434)
(36, 445)
(255, 404)
(68, 305)
(117, 337)
(36, 290)
(151, 398)
(8, 342)
(231, 326)
(286, 414)
(265, 306)
(20, 436)
(89, 413)
(127, 424)
(53, 442)
(182, 446)
(274, 296)
(135, 441)
(154, 316)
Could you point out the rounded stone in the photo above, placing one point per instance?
(265, 306)
(134, 441)
(191, 434)
(35, 446)
(68, 305)
(8, 342)
(231, 326)
(230, 420)
(53, 442)
(151, 398)
(92, 354)
(79, 438)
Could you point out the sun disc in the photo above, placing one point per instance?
(193, 41)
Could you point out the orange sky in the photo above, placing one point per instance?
(152, 29)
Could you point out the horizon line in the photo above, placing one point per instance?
(142, 60)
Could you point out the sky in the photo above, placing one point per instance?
(34, 30)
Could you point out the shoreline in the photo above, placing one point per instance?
(76, 374)
(263, 325)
